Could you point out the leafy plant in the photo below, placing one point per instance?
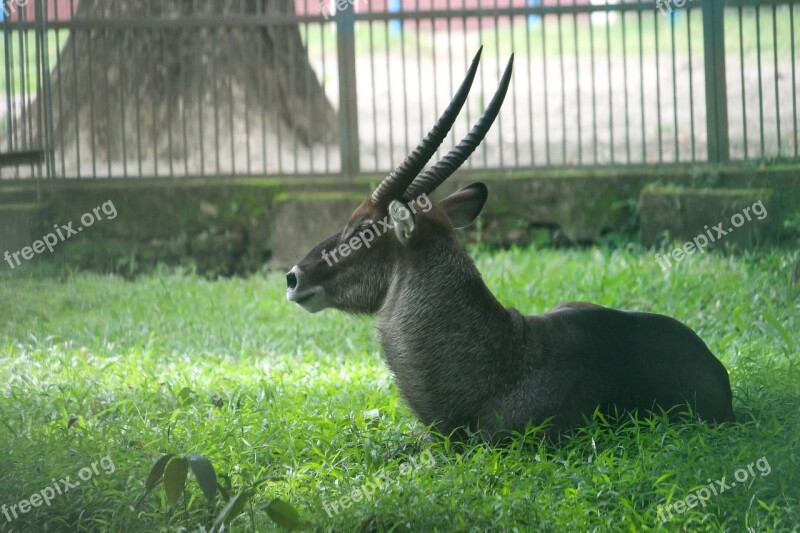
(173, 471)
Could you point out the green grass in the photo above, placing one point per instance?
(20, 48)
(285, 402)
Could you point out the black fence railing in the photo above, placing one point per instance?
(309, 89)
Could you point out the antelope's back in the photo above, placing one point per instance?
(631, 360)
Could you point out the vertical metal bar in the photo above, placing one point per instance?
(777, 91)
(307, 92)
(479, 20)
(309, 115)
(23, 82)
(138, 100)
(322, 30)
(242, 35)
(450, 63)
(641, 86)
(75, 92)
(36, 121)
(12, 78)
(452, 134)
(47, 92)
(658, 89)
(499, 74)
(38, 141)
(170, 114)
(375, 133)
(348, 96)
(263, 87)
(674, 93)
(744, 88)
(794, 78)
(404, 85)
(594, 93)
(201, 93)
(8, 73)
(92, 134)
(184, 113)
(154, 105)
(390, 106)
(106, 105)
(16, 57)
(39, 120)
(625, 81)
(435, 70)
(716, 95)
(563, 88)
(691, 82)
(610, 87)
(467, 52)
(511, 23)
(122, 83)
(421, 118)
(279, 137)
(232, 107)
(760, 80)
(577, 85)
(293, 90)
(215, 87)
(529, 61)
(546, 95)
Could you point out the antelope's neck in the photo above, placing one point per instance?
(447, 339)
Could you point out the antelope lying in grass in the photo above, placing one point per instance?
(460, 359)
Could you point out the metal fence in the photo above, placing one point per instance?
(596, 84)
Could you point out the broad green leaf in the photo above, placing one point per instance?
(224, 492)
(186, 396)
(284, 515)
(156, 472)
(231, 510)
(175, 478)
(205, 474)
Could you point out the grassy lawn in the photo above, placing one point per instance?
(102, 376)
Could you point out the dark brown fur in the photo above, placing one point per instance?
(462, 360)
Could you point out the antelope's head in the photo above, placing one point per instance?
(352, 269)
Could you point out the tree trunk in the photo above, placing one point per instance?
(161, 92)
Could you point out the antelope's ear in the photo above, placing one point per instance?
(403, 221)
(464, 205)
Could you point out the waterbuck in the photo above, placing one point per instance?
(460, 359)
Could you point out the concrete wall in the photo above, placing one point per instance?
(227, 227)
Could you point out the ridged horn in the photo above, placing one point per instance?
(428, 181)
(393, 186)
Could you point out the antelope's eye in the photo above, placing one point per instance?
(361, 226)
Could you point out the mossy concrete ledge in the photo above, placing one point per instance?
(237, 226)
(741, 217)
(302, 220)
(18, 222)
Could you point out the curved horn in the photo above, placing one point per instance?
(429, 180)
(393, 186)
